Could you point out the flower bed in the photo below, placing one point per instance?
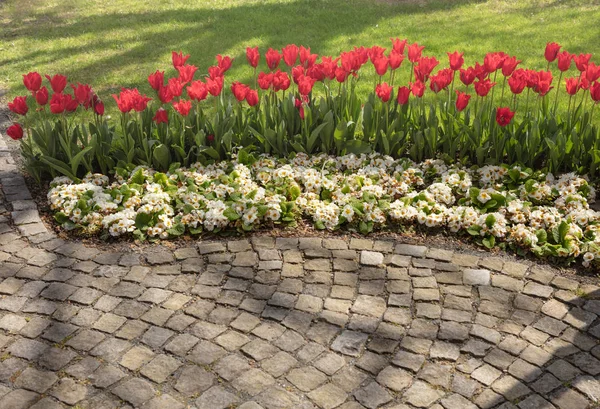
(492, 112)
(496, 205)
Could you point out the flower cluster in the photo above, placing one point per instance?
(526, 210)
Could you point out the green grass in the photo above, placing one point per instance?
(115, 43)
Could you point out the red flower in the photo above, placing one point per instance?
(41, 96)
(98, 107)
(175, 87)
(482, 87)
(265, 80)
(252, 56)
(127, 100)
(583, 82)
(375, 52)
(441, 80)
(480, 71)
(383, 91)
(281, 81)
(341, 74)
(551, 51)
(161, 116)
(165, 95)
(60, 103)
(456, 60)
(297, 71)
(398, 45)
(592, 72)
(564, 61)
(239, 90)
(509, 65)
(215, 86)
(403, 94)
(214, 71)
(572, 86)
(493, 61)
(595, 91)
(329, 66)
(299, 106)
(252, 97)
(32, 81)
(380, 63)
(83, 94)
(186, 73)
(424, 67)
(517, 82)
(305, 85)
(316, 72)
(581, 61)
(224, 63)
(210, 138)
(15, 131)
(197, 91)
(543, 83)
(179, 59)
(19, 105)
(290, 54)
(306, 58)
(462, 100)
(395, 60)
(467, 76)
(156, 80)
(504, 116)
(273, 58)
(183, 107)
(414, 52)
(417, 88)
(57, 82)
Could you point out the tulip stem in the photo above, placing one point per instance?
(557, 91)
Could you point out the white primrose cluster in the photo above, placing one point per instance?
(525, 209)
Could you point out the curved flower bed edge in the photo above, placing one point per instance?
(508, 206)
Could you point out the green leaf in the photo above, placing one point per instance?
(177, 230)
(161, 157)
(489, 242)
(231, 214)
(142, 220)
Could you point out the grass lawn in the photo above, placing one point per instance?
(115, 43)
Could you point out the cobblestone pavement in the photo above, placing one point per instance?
(284, 323)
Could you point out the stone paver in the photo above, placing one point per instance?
(259, 322)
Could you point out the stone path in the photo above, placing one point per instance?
(284, 323)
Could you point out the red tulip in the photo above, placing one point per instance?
(128, 99)
(297, 71)
(417, 88)
(441, 80)
(15, 131)
(214, 71)
(583, 82)
(380, 63)
(398, 45)
(32, 81)
(384, 91)
(186, 73)
(165, 95)
(183, 107)
(19, 105)
(306, 58)
(215, 86)
(239, 90)
(175, 86)
(414, 52)
(99, 107)
(197, 91)
(329, 66)
(592, 72)
(41, 96)
(456, 60)
(482, 88)
(424, 67)
(281, 81)
(156, 80)
(509, 65)
(572, 86)
(210, 138)
(299, 107)
(395, 60)
(57, 82)
(481, 72)
(543, 83)
(467, 76)
(504, 116)
(494, 61)
(581, 61)
(265, 80)
(341, 74)
(252, 97)
(305, 85)
(83, 94)
(462, 100)
(179, 59)
(60, 103)
(351, 61)
(290, 54)
(551, 52)
(403, 95)
(316, 72)
(273, 58)
(595, 91)
(564, 61)
(376, 52)
(161, 116)
(252, 56)
(224, 63)
(517, 82)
